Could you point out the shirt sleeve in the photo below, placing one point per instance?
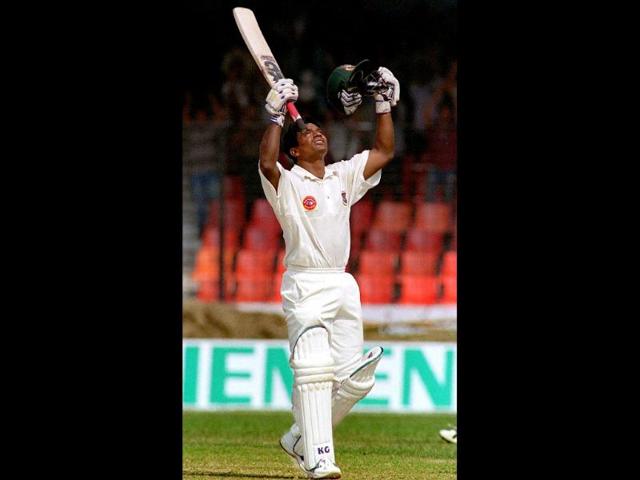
(273, 196)
(358, 186)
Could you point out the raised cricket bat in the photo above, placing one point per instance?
(257, 45)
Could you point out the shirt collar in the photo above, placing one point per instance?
(302, 173)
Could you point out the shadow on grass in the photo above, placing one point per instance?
(237, 475)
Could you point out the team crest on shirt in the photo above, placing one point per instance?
(309, 202)
(344, 198)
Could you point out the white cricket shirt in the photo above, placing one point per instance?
(314, 212)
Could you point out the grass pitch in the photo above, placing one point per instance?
(244, 445)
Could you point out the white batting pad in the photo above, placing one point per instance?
(313, 371)
(355, 387)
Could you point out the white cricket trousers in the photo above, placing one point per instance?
(330, 298)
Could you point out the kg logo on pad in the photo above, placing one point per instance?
(309, 203)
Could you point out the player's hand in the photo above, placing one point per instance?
(390, 95)
(282, 92)
(350, 101)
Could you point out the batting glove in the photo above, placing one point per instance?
(282, 92)
(390, 96)
(350, 101)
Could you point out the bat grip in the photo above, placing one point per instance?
(293, 111)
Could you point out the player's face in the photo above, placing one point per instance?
(312, 139)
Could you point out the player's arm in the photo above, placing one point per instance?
(269, 151)
(383, 150)
(283, 91)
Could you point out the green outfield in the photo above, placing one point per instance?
(244, 445)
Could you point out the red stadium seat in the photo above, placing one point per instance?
(378, 262)
(392, 216)
(450, 289)
(420, 186)
(209, 290)
(261, 209)
(418, 289)
(275, 289)
(207, 265)
(211, 238)
(383, 240)
(257, 238)
(421, 240)
(253, 288)
(262, 215)
(433, 216)
(361, 217)
(376, 288)
(233, 187)
(254, 262)
(234, 213)
(418, 263)
(450, 264)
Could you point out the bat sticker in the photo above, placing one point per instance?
(272, 67)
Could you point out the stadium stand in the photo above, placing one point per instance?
(255, 262)
(254, 287)
(256, 237)
(361, 216)
(207, 265)
(449, 289)
(209, 291)
(392, 248)
(262, 216)
(373, 262)
(376, 288)
(418, 289)
(418, 263)
(275, 296)
(392, 216)
(449, 264)
(421, 240)
(379, 240)
(234, 213)
(211, 238)
(433, 216)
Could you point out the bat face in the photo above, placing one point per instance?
(271, 67)
(261, 53)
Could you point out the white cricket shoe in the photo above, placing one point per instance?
(325, 469)
(450, 435)
(291, 443)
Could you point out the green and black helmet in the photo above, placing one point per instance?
(353, 78)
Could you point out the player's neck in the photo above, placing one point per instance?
(313, 165)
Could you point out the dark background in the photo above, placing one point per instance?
(347, 31)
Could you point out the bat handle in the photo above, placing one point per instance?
(293, 111)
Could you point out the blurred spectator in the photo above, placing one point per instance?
(439, 119)
(441, 154)
(311, 95)
(204, 151)
(445, 90)
(419, 94)
(235, 91)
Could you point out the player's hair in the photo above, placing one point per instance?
(290, 138)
